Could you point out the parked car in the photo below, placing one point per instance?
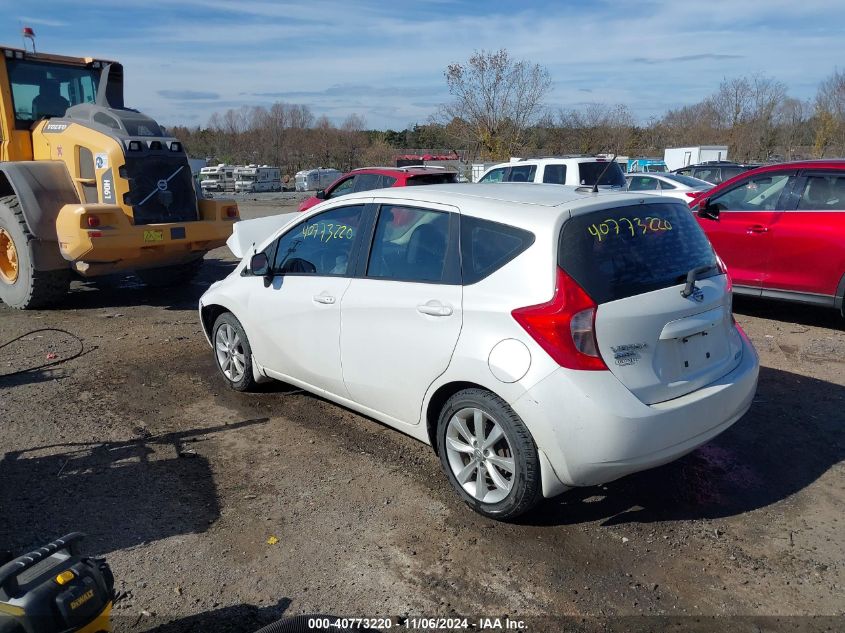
(684, 188)
(567, 170)
(781, 231)
(368, 178)
(537, 336)
(715, 172)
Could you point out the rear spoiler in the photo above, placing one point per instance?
(248, 234)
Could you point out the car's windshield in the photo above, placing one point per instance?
(44, 89)
(590, 172)
(689, 181)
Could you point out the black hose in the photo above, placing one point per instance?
(77, 354)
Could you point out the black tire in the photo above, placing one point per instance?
(168, 276)
(32, 289)
(247, 381)
(526, 488)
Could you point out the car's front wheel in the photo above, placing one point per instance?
(488, 454)
(232, 352)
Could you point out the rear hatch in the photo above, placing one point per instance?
(633, 261)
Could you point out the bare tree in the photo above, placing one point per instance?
(496, 100)
(830, 114)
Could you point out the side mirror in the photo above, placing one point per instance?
(321, 194)
(706, 211)
(259, 265)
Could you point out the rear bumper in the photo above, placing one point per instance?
(117, 244)
(593, 430)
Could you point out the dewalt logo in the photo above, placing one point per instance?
(85, 597)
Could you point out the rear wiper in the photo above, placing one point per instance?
(692, 275)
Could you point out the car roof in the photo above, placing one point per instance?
(410, 170)
(551, 160)
(495, 201)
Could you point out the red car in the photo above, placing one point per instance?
(368, 178)
(781, 231)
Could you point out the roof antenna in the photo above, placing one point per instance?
(603, 172)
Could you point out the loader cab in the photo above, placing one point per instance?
(39, 86)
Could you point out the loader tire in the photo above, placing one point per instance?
(22, 286)
(169, 276)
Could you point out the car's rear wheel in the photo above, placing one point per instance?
(232, 353)
(488, 454)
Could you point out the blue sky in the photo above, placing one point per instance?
(185, 59)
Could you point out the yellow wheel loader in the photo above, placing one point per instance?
(89, 187)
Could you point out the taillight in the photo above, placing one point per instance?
(692, 194)
(93, 221)
(565, 327)
(728, 286)
(230, 212)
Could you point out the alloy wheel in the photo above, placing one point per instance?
(230, 352)
(480, 455)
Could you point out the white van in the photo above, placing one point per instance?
(257, 178)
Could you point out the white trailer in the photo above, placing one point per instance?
(677, 157)
(218, 178)
(315, 179)
(257, 178)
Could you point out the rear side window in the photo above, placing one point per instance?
(619, 253)
(555, 174)
(589, 173)
(487, 246)
(823, 193)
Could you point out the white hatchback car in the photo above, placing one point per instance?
(538, 337)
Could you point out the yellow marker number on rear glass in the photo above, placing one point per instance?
(628, 226)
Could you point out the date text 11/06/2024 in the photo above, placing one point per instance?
(419, 624)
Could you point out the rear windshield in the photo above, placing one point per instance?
(618, 253)
(433, 179)
(590, 172)
(689, 181)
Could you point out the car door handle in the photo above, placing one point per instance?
(758, 228)
(434, 308)
(324, 298)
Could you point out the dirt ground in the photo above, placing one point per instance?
(181, 482)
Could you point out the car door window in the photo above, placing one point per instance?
(555, 174)
(642, 183)
(322, 245)
(367, 182)
(410, 244)
(386, 181)
(755, 194)
(495, 175)
(665, 186)
(345, 186)
(823, 193)
(709, 174)
(730, 172)
(522, 173)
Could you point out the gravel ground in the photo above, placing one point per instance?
(183, 485)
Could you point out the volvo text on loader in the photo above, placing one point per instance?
(90, 187)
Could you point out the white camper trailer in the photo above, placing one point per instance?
(257, 178)
(217, 179)
(677, 157)
(315, 179)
